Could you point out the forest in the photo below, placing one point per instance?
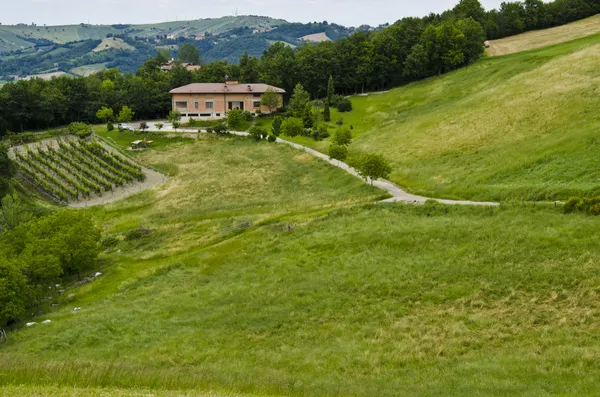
(409, 50)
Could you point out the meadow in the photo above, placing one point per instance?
(325, 293)
(521, 126)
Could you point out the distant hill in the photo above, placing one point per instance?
(30, 49)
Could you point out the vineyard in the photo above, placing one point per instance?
(76, 170)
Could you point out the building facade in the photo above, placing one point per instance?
(214, 100)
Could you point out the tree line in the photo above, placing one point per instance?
(409, 50)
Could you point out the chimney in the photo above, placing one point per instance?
(249, 87)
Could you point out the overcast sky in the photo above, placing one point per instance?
(345, 12)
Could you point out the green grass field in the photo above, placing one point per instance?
(324, 294)
(522, 126)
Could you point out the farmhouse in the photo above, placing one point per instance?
(167, 67)
(214, 100)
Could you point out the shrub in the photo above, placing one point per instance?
(258, 112)
(210, 130)
(136, 234)
(109, 242)
(572, 205)
(110, 126)
(246, 115)
(335, 99)
(345, 105)
(595, 209)
(338, 152)
(340, 121)
(81, 130)
(159, 126)
(343, 137)
(276, 126)
(234, 118)
(292, 127)
(220, 128)
(257, 133)
(272, 138)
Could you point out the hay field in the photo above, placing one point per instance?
(542, 38)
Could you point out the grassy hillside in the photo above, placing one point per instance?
(324, 294)
(523, 126)
(545, 37)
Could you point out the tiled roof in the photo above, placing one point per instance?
(210, 88)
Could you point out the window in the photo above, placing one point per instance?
(218, 114)
(196, 105)
(192, 114)
(209, 105)
(257, 95)
(181, 105)
(205, 114)
(256, 104)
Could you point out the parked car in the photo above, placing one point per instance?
(125, 127)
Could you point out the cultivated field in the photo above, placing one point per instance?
(81, 173)
(546, 37)
(522, 126)
(113, 43)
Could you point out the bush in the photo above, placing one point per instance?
(272, 138)
(81, 130)
(345, 105)
(110, 126)
(292, 127)
(572, 205)
(191, 122)
(235, 118)
(276, 126)
(220, 128)
(335, 99)
(246, 115)
(109, 242)
(340, 121)
(343, 137)
(136, 234)
(257, 133)
(210, 130)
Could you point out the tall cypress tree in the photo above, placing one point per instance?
(330, 89)
(326, 111)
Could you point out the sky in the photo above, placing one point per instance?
(344, 12)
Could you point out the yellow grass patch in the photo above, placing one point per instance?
(546, 37)
(113, 43)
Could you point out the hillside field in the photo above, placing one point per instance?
(324, 293)
(543, 38)
(517, 127)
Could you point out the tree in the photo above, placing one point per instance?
(143, 126)
(338, 152)
(342, 137)
(326, 111)
(330, 89)
(176, 125)
(271, 99)
(372, 166)
(470, 9)
(300, 98)
(235, 118)
(189, 53)
(13, 291)
(125, 115)
(276, 126)
(13, 212)
(417, 63)
(6, 169)
(292, 127)
(105, 114)
(174, 116)
(307, 116)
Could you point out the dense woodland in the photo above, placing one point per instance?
(409, 50)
